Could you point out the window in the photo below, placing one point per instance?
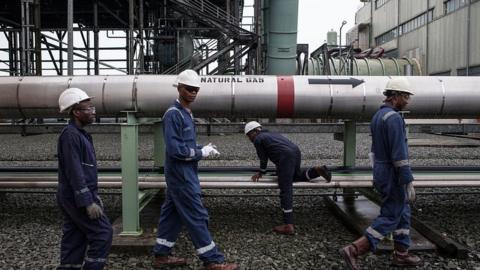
(450, 6)
(386, 37)
(416, 22)
(430, 15)
(472, 71)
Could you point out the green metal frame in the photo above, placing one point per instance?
(349, 143)
(133, 200)
(349, 154)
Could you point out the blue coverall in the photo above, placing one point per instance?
(391, 174)
(77, 188)
(183, 203)
(287, 158)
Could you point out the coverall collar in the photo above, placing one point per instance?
(179, 106)
(388, 106)
(73, 124)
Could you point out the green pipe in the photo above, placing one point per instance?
(365, 66)
(282, 37)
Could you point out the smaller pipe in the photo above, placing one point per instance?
(70, 37)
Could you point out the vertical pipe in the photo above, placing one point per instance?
(88, 52)
(38, 44)
(349, 143)
(370, 32)
(95, 37)
(22, 40)
(70, 37)
(140, 29)
(467, 70)
(265, 30)
(282, 37)
(398, 24)
(258, 52)
(129, 151)
(130, 36)
(28, 40)
(426, 38)
(407, 70)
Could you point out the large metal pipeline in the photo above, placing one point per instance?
(345, 97)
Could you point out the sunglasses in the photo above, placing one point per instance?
(89, 109)
(191, 89)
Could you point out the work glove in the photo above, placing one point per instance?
(210, 149)
(410, 192)
(371, 157)
(94, 211)
(256, 177)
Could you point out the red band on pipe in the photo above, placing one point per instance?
(286, 96)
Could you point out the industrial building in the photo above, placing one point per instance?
(441, 34)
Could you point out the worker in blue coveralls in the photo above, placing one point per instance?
(183, 203)
(84, 222)
(287, 158)
(392, 178)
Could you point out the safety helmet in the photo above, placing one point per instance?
(188, 77)
(251, 126)
(71, 96)
(398, 84)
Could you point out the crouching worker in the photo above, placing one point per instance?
(84, 222)
(287, 158)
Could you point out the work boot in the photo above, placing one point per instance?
(351, 252)
(287, 229)
(324, 172)
(221, 266)
(405, 259)
(168, 261)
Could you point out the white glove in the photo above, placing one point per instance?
(410, 192)
(94, 211)
(371, 156)
(210, 149)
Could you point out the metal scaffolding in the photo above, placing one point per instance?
(92, 37)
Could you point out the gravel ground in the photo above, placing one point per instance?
(30, 224)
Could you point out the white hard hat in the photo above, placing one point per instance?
(71, 96)
(398, 84)
(251, 126)
(188, 77)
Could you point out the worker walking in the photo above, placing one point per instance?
(183, 204)
(287, 158)
(392, 178)
(84, 222)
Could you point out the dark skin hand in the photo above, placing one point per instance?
(256, 177)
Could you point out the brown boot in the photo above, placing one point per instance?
(403, 258)
(221, 266)
(351, 252)
(324, 172)
(168, 261)
(287, 229)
